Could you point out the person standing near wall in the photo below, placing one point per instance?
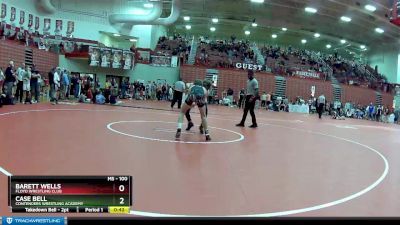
(241, 98)
(26, 79)
(321, 105)
(35, 83)
(51, 84)
(10, 79)
(20, 91)
(179, 88)
(2, 77)
(251, 96)
(56, 85)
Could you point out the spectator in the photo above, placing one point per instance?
(2, 77)
(10, 79)
(263, 99)
(20, 91)
(100, 99)
(26, 86)
(35, 86)
(56, 85)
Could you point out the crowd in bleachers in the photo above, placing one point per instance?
(223, 53)
(176, 45)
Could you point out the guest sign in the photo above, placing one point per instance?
(249, 66)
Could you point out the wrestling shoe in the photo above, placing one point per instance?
(253, 126)
(208, 138)
(178, 134)
(201, 129)
(190, 125)
(240, 125)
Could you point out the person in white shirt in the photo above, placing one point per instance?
(263, 99)
(26, 86)
(56, 85)
(20, 90)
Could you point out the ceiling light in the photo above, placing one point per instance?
(212, 29)
(186, 18)
(343, 41)
(215, 20)
(345, 19)
(188, 27)
(148, 5)
(117, 35)
(362, 47)
(284, 28)
(304, 41)
(379, 30)
(370, 8)
(328, 46)
(254, 24)
(247, 32)
(274, 36)
(257, 1)
(310, 10)
(133, 40)
(317, 35)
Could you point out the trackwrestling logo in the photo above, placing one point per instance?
(9, 220)
(33, 220)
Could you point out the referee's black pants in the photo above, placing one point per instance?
(177, 98)
(249, 106)
(320, 109)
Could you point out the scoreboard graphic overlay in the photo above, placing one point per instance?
(70, 194)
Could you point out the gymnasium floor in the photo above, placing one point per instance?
(292, 165)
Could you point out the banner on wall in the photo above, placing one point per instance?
(128, 60)
(174, 61)
(30, 20)
(37, 23)
(42, 45)
(59, 26)
(94, 56)
(57, 31)
(70, 28)
(308, 74)
(47, 25)
(13, 14)
(105, 57)
(162, 61)
(21, 17)
(2, 28)
(3, 11)
(116, 59)
(144, 56)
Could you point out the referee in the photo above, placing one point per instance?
(179, 88)
(250, 102)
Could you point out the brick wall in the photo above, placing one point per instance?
(358, 95)
(45, 61)
(387, 99)
(12, 50)
(236, 79)
(302, 87)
